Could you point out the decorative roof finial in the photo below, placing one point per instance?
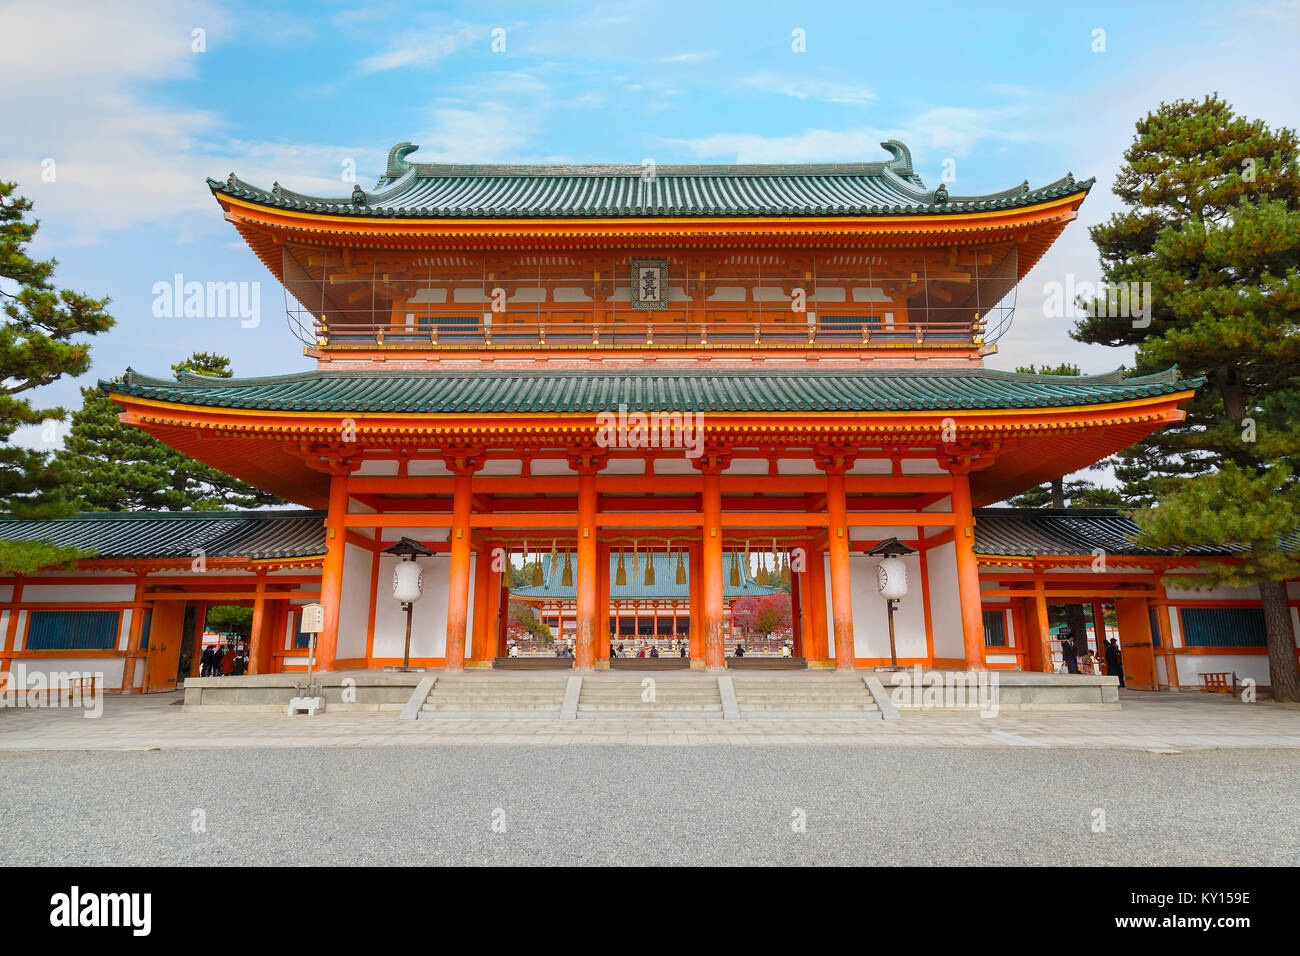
(358, 196)
(1024, 188)
(902, 161)
(941, 194)
(397, 164)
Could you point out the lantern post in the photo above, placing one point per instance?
(408, 585)
(891, 577)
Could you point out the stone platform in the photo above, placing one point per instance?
(786, 694)
(364, 690)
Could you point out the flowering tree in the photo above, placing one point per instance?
(762, 615)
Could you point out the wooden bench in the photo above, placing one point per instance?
(1219, 682)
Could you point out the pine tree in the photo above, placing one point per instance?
(1213, 224)
(41, 340)
(112, 466)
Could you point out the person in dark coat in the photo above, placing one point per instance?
(1114, 661)
(205, 662)
(740, 650)
(1066, 637)
(218, 653)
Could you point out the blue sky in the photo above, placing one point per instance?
(134, 118)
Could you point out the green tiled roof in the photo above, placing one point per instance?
(512, 392)
(664, 588)
(437, 191)
(1013, 532)
(177, 534)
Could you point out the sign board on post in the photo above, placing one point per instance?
(313, 618)
(309, 699)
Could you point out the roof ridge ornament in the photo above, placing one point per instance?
(358, 196)
(397, 164)
(941, 194)
(902, 161)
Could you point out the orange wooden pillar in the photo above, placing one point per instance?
(331, 575)
(1043, 627)
(482, 646)
(816, 643)
(458, 572)
(838, 546)
(1099, 626)
(715, 653)
(968, 580)
(587, 577)
(258, 639)
(602, 607)
(695, 575)
(10, 636)
(133, 635)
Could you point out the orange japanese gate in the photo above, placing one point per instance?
(709, 359)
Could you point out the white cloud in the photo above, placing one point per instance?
(809, 88)
(426, 48)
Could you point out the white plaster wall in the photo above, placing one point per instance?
(871, 615)
(124, 631)
(428, 617)
(6, 592)
(1175, 628)
(945, 603)
(109, 667)
(354, 603)
(38, 592)
(1162, 671)
(1191, 666)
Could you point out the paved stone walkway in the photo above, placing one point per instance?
(1165, 721)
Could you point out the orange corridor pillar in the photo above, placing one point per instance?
(968, 581)
(715, 652)
(458, 573)
(331, 575)
(837, 531)
(588, 611)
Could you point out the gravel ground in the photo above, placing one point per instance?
(649, 805)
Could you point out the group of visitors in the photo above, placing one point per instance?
(641, 650)
(223, 660)
(1091, 664)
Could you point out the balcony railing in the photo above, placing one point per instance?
(471, 332)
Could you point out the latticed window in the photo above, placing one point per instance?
(72, 630)
(1223, 627)
(995, 629)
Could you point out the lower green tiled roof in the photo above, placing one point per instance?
(510, 392)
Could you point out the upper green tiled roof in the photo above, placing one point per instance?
(512, 392)
(254, 535)
(439, 191)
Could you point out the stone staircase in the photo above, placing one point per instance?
(538, 694)
(562, 695)
(804, 696)
(675, 695)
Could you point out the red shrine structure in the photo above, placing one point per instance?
(704, 363)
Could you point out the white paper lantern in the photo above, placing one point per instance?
(408, 582)
(891, 575)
